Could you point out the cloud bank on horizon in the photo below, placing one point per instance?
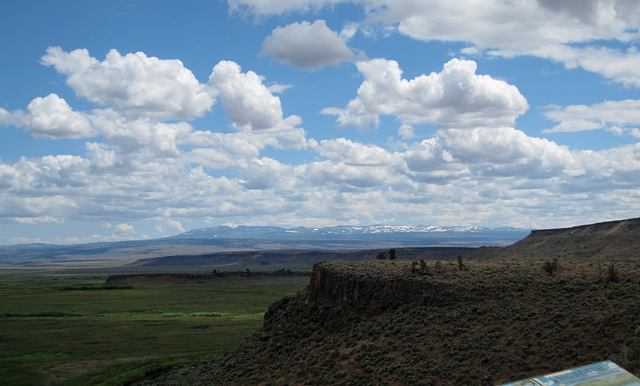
(323, 112)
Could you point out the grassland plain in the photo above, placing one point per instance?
(74, 330)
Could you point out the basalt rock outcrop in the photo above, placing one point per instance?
(376, 285)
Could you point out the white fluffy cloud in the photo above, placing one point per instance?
(516, 27)
(609, 17)
(175, 226)
(506, 152)
(352, 153)
(532, 22)
(619, 65)
(457, 176)
(249, 103)
(564, 31)
(618, 116)
(274, 7)
(143, 134)
(253, 109)
(143, 167)
(135, 85)
(455, 97)
(50, 117)
(124, 228)
(475, 168)
(132, 128)
(306, 45)
(544, 28)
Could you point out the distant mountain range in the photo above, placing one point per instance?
(257, 238)
(402, 232)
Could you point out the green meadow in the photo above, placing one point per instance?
(71, 330)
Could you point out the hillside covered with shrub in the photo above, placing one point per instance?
(606, 241)
(454, 322)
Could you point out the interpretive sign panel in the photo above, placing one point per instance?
(598, 374)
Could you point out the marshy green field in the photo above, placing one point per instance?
(71, 330)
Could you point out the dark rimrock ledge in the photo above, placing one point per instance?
(375, 285)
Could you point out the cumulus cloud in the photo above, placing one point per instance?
(141, 145)
(175, 226)
(249, 103)
(159, 138)
(455, 97)
(274, 7)
(472, 174)
(8, 119)
(455, 155)
(618, 116)
(49, 117)
(507, 152)
(40, 191)
(451, 155)
(306, 45)
(8, 176)
(135, 85)
(350, 166)
(267, 173)
(475, 168)
(353, 153)
(532, 23)
(618, 65)
(253, 109)
(617, 16)
(278, 88)
(344, 177)
(141, 167)
(220, 151)
(564, 31)
(124, 228)
(516, 27)
(543, 28)
(456, 176)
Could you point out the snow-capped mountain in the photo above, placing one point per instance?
(350, 232)
(243, 238)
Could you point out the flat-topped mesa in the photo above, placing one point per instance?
(378, 285)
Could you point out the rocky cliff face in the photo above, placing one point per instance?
(375, 285)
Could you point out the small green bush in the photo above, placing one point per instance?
(612, 274)
(461, 266)
(551, 266)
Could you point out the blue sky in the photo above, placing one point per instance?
(140, 119)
